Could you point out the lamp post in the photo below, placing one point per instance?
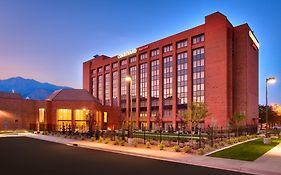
(269, 80)
(129, 80)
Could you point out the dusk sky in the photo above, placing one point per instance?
(48, 40)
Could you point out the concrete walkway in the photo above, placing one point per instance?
(268, 164)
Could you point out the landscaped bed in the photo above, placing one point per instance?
(248, 151)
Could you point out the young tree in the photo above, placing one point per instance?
(196, 113)
(236, 119)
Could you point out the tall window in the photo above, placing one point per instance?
(100, 96)
(198, 74)
(64, 119)
(143, 90)
(143, 80)
(107, 68)
(155, 83)
(198, 39)
(95, 86)
(114, 65)
(107, 89)
(133, 59)
(123, 62)
(41, 115)
(115, 88)
(182, 79)
(168, 80)
(100, 70)
(133, 73)
(181, 44)
(123, 88)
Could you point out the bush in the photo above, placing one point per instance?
(122, 143)
(148, 145)
(116, 142)
(230, 141)
(161, 146)
(101, 139)
(135, 142)
(222, 143)
(176, 148)
(106, 141)
(200, 151)
(93, 139)
(216, 145)
(207, 148)
(187, 149)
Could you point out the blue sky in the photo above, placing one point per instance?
(48, 40)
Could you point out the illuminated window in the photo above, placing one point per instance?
(181, 44)
(107, 89)
(95, 86)
(104, 117)
(41, 115)
(64, 117)
(198, 39)
(115, 88)
(100, 95)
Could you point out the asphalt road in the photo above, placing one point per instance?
(21, 155)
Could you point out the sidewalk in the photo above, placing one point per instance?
(269, 163)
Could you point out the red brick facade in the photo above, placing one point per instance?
(230, 73)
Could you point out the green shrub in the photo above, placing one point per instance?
(200, 151)
(176, 148)
(230, 141)
(187, 149)
(207, 148)
(161, 146)
(106, 141)
(148, 144)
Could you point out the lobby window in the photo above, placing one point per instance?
(168, 80)
(123, 88)
(107, 89)
(181, 44)
(64, 119)
(143, 114)
(133, 59)
(115, 65)
(198, 75)
(115, 88)
(123, 62)
(100, 96)
(133, 74)
(143, 81)
(154, 52)
(41, 115)
(81, 123)
(168, 48)
(182, 79)
(155, 83)
(107, 68)
(143, 56)
(198, 39)
(104, 117)
(95, 86)
(100, 70)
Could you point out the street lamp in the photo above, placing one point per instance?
(269, 80)
(129, 80)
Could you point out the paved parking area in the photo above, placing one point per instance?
(22, 155)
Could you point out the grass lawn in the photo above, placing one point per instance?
(247, 151)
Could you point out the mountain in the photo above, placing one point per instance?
(29, 88)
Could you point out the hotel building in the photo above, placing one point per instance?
(215, 63)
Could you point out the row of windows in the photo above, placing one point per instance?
(198, 75)
(182, 78)
(155, 83)
(168, 48)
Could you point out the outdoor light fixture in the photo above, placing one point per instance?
(129, 79)
(269, 80)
